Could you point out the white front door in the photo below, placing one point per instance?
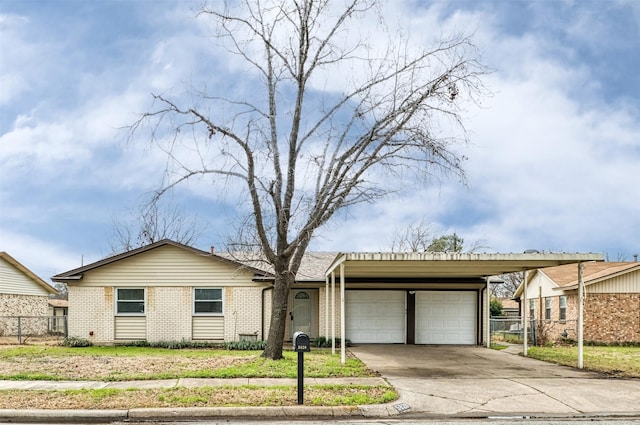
(301, 313)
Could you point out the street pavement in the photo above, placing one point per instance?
(433, 382)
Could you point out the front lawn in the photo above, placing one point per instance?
(144, 363)
(614, 361)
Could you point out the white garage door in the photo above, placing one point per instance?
(375, 316)
(446, 317)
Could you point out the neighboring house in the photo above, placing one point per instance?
(611, 306)
(22, 292)
(169, 291)
(58, 310)
(510, 307)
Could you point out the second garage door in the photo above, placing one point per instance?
(446, 317)
(375, 316)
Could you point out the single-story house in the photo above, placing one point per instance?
(611, 301)
(169, 291)
(22, 292)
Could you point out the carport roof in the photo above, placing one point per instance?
(448, 265)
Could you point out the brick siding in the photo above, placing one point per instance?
(612, 318)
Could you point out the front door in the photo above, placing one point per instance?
(301, 314)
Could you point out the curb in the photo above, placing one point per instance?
(196, 413)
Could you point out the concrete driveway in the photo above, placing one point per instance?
(468, 381)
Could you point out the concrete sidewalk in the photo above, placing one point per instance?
(433, 382)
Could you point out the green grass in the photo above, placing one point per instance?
(124, 351)
(617, 361)
(245, 395)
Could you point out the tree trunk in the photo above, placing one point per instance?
(275, 340)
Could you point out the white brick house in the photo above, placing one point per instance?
(167, 291)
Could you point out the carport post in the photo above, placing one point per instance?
(333, 312)
(580, 315)
(343, 336)
(487, 325)
(326, 306)
(524, 306)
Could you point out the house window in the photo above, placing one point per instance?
(130, 301)
(547, 308)
(207, 301)
(532, 309)
(563, 307)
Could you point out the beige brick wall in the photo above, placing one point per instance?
(169, 312)
(242, 311)
(322, 313)
(91, 310)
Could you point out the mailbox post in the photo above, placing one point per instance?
(301, 345)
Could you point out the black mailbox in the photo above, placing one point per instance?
(301, 342)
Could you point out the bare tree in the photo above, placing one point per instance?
(508, 286)
(413, 238)
(154, 222)
(301, 152)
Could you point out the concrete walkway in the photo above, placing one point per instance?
(433, 382)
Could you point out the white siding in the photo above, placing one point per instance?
(131, 328)
(541, 284)
(208, 327)
(13, 281)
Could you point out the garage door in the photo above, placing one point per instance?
(446, 317)
(375, 316)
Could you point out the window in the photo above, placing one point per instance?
(563, 307)
(532, 308)
(130, 301)
(207, 301)
(547, 308)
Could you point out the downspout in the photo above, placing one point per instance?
(262, 310)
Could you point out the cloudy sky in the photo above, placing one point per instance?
(554, 153)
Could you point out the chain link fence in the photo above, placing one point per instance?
(32, 329)
(539, 332)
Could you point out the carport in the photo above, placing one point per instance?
(421, 298)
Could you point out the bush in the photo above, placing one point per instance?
(246, 345)
(74, 341)
(172, 345)
(323, 342)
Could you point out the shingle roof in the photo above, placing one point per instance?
(567, 275)
(312, 268)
